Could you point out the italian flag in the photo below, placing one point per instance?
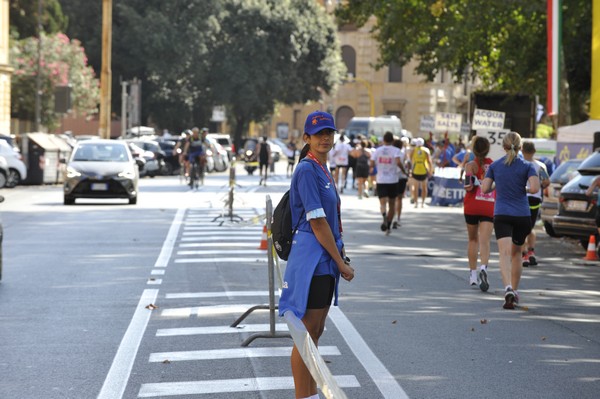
(554, 44)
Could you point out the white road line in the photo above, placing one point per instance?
(157, 272)
(220, 252)
(207, 227)
(221, 233)
(237, 353)
(216, 244)
(167, 248)
(233, 385)
(223, 260)
(118, 375)
(386, 383)
(206, 310)
(221, 239)
(219, 294)
(242, 328)
(154, 281)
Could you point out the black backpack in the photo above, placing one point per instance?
(281, 227)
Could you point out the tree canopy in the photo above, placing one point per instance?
(194, 54)
(23, 16)
(63, 62)
(501, 42)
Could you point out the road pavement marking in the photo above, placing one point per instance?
(386, 383)
(227, 238)
(220, 251)
(167, 248)
(223, 260)
(237, 353)
(228, 234)
(157, 272)
(154, 281)
(204, 227)
(233, 385)
(242, 328)
(206, 310)
(118, 375)
(219, 294)
(217, 244)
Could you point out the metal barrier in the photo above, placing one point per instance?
(271, 306)
(297, 331)
(229, 201)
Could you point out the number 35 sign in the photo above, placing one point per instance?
(495, 138)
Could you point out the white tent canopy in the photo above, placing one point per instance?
(580, 133)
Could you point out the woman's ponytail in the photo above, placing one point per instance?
(511, 144)
(304, 152)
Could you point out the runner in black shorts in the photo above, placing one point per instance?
(516, 227)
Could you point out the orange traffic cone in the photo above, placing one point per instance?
(591, 249)
(263, 240)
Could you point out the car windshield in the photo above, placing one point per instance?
(100, 153)
(591, 165)
(565, 172)
(250, 145)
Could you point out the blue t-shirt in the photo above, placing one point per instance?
(312, 189)
(461, 156)
(511, 180)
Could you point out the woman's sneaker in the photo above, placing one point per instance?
(483, 280)
(509, 299)
(525, 260)
(472, 279)
(532, 259)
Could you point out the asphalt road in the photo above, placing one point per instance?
(78, 282)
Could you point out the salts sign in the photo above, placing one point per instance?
(447, 122)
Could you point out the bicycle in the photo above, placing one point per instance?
(197, 166)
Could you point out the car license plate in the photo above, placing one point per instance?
(99, 186)
(578, 206)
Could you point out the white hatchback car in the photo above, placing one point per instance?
(17, 171)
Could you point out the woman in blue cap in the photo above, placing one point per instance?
(317, 258)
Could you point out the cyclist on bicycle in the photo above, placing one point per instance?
(180, 153)
(196, 150)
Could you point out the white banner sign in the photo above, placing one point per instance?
(495, 138)
(447, 122)
(484, 119)
(427, 123)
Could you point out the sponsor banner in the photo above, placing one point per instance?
(447, 189)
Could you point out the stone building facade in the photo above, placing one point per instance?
(5, 69)
(392, 90)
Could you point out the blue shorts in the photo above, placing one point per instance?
(194, 155)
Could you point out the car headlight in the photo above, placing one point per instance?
(248, 153)
(127, 174)
(72, 172)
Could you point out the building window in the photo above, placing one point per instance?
(349, 58)
(295, 122)
(395, 73)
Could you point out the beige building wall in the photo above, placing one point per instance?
(5, 70)
(410, 99)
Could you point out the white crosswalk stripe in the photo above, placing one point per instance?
(201, 242)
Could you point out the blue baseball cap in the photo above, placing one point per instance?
(317, 121)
